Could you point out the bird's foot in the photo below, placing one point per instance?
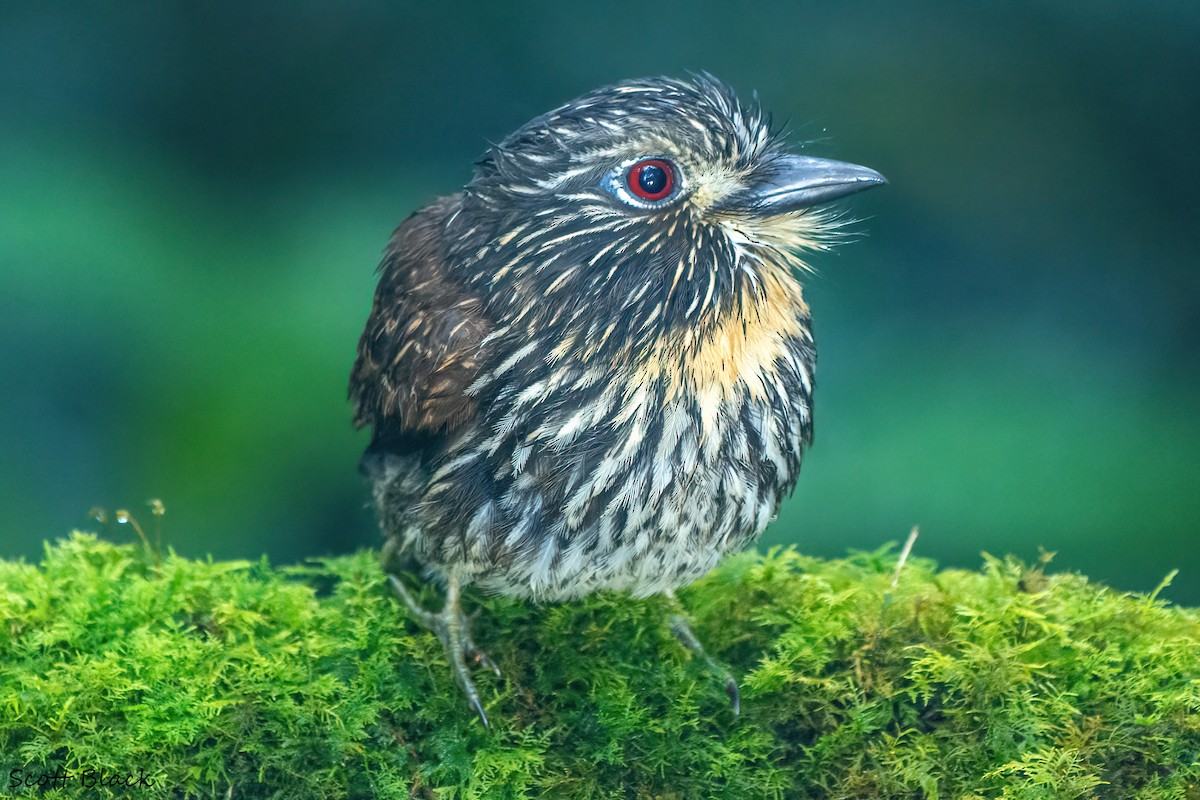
(473, 651)
(683, 632)
(453, 628)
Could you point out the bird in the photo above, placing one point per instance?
(592, 367)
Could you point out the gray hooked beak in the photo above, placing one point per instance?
(790, 182)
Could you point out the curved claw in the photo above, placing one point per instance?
(478, 706)
(482, 659)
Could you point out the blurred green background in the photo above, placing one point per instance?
(194, 196)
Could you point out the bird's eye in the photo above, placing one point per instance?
(652, 179)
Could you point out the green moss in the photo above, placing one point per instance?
(242, 680)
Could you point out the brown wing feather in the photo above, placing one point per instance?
(422, 344)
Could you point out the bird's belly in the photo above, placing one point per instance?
(644, 504)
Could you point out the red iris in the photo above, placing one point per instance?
(652, 179)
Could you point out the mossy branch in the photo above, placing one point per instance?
(237, 679)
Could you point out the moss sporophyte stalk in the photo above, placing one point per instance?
(240, 679)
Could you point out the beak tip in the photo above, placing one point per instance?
(870, 178)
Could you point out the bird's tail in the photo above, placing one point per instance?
(398, 471)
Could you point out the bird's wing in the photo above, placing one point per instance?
(423, 343)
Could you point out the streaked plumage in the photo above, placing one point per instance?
(572, 388)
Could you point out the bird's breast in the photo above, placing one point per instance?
(758, 350)
(637, 490)
(637, 472)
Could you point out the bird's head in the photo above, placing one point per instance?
(647, 204)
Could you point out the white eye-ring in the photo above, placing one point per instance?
(645, 182)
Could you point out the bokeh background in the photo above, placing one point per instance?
(193, 198)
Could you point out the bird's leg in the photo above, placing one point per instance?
(683, 632)
(453, 629)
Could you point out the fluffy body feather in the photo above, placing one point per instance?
(570, 391)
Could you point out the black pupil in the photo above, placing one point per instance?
(652, 179)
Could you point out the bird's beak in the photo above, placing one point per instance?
(790, 182)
